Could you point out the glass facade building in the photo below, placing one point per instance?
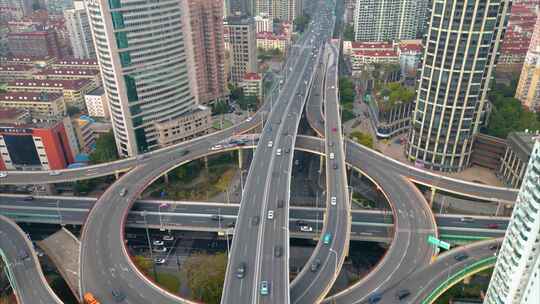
(141, 50)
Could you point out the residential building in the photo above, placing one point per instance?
(263, 23)
(196, 123)
(271, 41)
(528, 89)
(22, 7)
(84, 134)
(454, 81)
(514, 46)
(252, 85)
(513, 164)
(16, 71)
(78, 28)
(69, 74)
(96, 103)
(366, 57)
(516, 277)
(241, 8)
(29, 61)
(72, 90)
(133, 41)
(243, 47)
(34, 44)
(386, 20)
(389, 119)
(27, 144)
(38, 104)
(410, 56)
(208, 49)
(74, 64)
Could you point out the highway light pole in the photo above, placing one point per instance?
(58, 210)
(150, 245)
(160, 217)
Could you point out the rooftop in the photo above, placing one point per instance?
(66, 71)
(48, 83)
(96, 92)
(522, 143)
(369, 53)
(11, 113)
(29, 96)
(75, 61)
(15, 67)
(372, 45)
(252, 76)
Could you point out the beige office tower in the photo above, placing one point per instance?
(528, 90)
(206, 23)
(80, 35)
(460, 52)
(141, 50)
(242, 47)
(516, 278)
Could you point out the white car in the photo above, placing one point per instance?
(270, 144)
(160, 249)
(332, 155)
(270, 214)
(216, 147)
(333, 201)
(249, 119)
(159, 261)
(278, 152)
(306, 228)
(3, 174)
(168, 238)
(55, 173)
(158, 243)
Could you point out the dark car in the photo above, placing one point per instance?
(231, 224)
(29, 198)
(241, 271)
(335, 166)
(118, 296)
(278, 251)
(280, 203)
(315, 265)
(375, 298)
(216, 217)
(461, 256)
(402, 294)
(288, 150)
(494, 247)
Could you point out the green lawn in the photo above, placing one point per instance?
(216, 124)
(169, 281)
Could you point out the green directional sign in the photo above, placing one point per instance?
(436, 242)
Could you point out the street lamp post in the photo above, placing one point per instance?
(150, 245)
(163, 205)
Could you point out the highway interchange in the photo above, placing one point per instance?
(106, 266)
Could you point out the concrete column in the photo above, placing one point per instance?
(206, 162)
(240, 159)
(432, 197)
(166, 177)
(321, 162)
(116, 174)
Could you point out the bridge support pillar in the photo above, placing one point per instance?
(206, 162)
(166, 177)
(116, 174)
(432, 197)
(321, 163)
(240, 159)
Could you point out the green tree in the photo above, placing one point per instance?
(220, 107)
(301, 22)
(71, 110)
(105, 149)
(143, 264)
(205, 276)
(348, 33)
(362, 138)
(346, 90)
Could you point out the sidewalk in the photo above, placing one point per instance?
(473, 174)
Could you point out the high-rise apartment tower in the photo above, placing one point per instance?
(459, 58)
(528, 89)
(516, 278)
(78, 28)
(146, 70)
